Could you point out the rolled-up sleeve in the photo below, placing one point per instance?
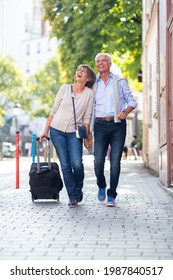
(126, 96)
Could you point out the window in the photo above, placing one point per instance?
(150, 77)
(48, 47)
(26, 23)
(27, 49)
(27, 67)
(38, 48)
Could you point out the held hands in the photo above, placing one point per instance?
(88, 141)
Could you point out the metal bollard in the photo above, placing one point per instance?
(17, 159)
(33, 148)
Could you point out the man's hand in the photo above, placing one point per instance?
(88, 141)
(122, 115)
(87, 144)
(90, 137)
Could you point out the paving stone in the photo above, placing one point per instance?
(139, 228)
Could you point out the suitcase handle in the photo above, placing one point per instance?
(48, 153)
(38, 138)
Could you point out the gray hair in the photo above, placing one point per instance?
(108, 56)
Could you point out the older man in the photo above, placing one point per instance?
(113, 102)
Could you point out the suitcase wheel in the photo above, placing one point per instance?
(33, 197)
(57, 197)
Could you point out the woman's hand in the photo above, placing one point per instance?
(88, 141)
(43, 136)
(87, 144)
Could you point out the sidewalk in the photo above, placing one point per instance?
(140, 228)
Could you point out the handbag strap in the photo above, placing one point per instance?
(74, 112)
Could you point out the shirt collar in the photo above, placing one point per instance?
(110, 76)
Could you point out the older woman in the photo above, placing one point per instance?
(61, 124)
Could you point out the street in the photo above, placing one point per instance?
(140, 228)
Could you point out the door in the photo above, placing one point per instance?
(170, 100)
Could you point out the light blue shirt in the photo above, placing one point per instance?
(104, 101)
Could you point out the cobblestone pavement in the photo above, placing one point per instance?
(141, 227)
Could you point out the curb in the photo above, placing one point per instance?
(169, 190)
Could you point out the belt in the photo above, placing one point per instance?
(108, 119)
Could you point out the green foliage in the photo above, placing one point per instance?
(35, 95)
(12, 85)
(140, 137)
(2, 113)
(88, 27)
(44, 86)
(11, 79)
(124, 62)
(9, 75)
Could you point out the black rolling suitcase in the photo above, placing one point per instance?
(44, 177)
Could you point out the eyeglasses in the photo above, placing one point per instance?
(82, 70)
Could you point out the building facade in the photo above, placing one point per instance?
(24, 36)
(157, 65)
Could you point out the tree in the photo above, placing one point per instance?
(85, 28)
(12, 87)
(10, 77)
(44, 86)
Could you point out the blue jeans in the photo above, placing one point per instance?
(108, 133)
(69, 150)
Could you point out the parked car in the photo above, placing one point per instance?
(8, 149)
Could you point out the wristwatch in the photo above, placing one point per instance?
(125, 112)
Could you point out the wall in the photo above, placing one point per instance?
(150, 75)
